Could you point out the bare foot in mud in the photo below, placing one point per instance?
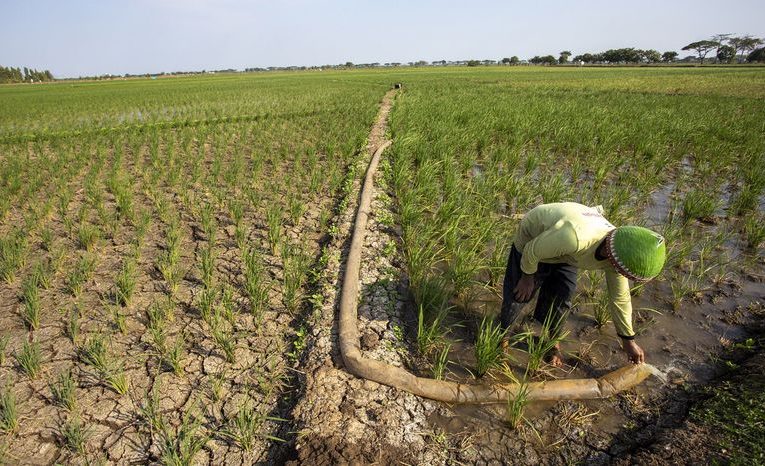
(554, 357)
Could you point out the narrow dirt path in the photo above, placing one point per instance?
(342, 418)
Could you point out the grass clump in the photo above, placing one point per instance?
(246, 427)
(125, 283)
(29, 358)
(63, 389)
(74, 434)
(9, 414)
(488, 352)
(95, 353)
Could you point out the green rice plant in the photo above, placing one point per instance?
(541, 346)
(488, 352)
(46, 237)
(274, 223)
(209, 222)
(63, 390)
(119, 319)
(173, 355)
(430, 328)
(142, 223)
(13, 248)
(296, 266)
(225, 341)
(29, 358)
(178, 446)
(236, 210)
(754, 231)
(74, 434)
(88, 236)
(207, 265)
(30, 313)
(3, 347)
(95, 353)
(516, 405)
(9, 414)
(699, 204)
(296, 209)
(72, 328)
(169, 267)
(42, 273)
(125, 283)
(255, 284)
(441, 362)
(81, 273)
(601, 312)
(246, 427)
(206, 303)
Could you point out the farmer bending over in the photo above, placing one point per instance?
(552, 241)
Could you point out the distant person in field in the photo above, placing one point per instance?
(552, 242)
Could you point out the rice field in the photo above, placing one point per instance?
(162, 241)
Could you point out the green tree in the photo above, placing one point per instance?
(564, 56)
(744, 44)
(726, 53)
(757, 55)
(514, 60)
(651, 56)
(702, 48)
(669, 56)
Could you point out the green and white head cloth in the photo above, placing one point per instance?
(636, 252)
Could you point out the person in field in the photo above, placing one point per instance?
(552, 242)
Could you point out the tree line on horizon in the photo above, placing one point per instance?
(23, 75)
(727, 47)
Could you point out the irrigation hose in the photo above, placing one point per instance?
(442, 390)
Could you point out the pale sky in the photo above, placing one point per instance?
(88, 37)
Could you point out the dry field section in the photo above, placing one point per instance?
(160, 240)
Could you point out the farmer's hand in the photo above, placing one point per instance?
(524, 289)
(634, 352)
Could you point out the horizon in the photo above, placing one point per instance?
(166, 36)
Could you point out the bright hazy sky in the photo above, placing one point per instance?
(87, 37)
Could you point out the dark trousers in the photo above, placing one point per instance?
(556, 284)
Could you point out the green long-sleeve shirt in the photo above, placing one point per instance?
(567, 232)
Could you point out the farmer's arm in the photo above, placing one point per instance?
(620, 306)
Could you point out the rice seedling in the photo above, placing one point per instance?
(209, 222)
(42, 273)
(246, 427)
(30, 313)
(255, 284)
(74, 434)
(119, 319)
(207, 265)
(63, 390)
(46, 237)
(3, 346)
(81, 273)
(539, 347)
(88, 236)
(754, 231)
(125, 283)
(206, 301)
(274, 223)
(178, 446)
(29, 359)
(488, 352)
(94, 353)
(601, 313)
(441, 362)
(13, 249)
(699, 205)
(296, 265)
(72, 328)
(430, 328)
(516, 405)
(9, 413)
(226, 342)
